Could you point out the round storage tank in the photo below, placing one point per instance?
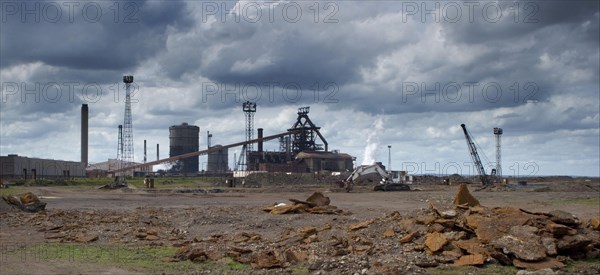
(217, 161)
(184, 139)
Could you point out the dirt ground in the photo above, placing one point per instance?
(234, 219)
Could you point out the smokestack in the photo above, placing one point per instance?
(157, 155)
(145, 155)
(84, 134)
(260, 142)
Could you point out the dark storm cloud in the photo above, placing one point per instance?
(99, 35)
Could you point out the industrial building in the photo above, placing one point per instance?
(184, 139)
(21, 167)
(304, 150)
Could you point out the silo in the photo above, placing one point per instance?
(217, 161)
(184, 139)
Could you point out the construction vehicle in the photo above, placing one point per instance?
(387, 183)
(485, 179)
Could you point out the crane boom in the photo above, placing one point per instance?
(485, 180)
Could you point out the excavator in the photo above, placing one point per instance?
(387, 183)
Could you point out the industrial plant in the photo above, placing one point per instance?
(302, 149)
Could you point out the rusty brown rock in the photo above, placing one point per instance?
(502, 220)
(361, 225)
(435, 241)
(595, 223)
(296, 255)
(81, 238)
(464, 197)
(318, 199)
(266, 259)
(475, 259)
(425, 219)
(409, 237)
(406, 224)
(151, 232)
(435, 227)
(559, 230)
(546, 263)
(472, 246)
(389, 232)
(152, 238)
(286, 209)
(28, 198)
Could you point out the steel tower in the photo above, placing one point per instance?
(120, 148)
(249, 109)
(127, 124)
(498, 134)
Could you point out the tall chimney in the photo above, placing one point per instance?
(260, 142)
(145, 155)
(84, 134)
(157, 155)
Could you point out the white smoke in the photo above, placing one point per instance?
(373, 141)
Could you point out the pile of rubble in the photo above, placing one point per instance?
(27, 202)
(466, 234)
(317, 203)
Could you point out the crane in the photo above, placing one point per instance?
(485, 179)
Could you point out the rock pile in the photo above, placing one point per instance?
(27, 202)
(467, 234)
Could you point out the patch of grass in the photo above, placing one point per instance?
(12, 191)
(589, 265)
(586, 201)
(236, 266)
(146, 259)
(300, 270)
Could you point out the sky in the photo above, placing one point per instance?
(375, 74)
